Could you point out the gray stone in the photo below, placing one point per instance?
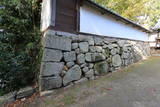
(46, 93)
(121, 43)
(83, 38)
(101, 68)
(49, 83)
(52, 55)
(91, 41)
(8, 98)
(111, 69)
(90, 73)
(106, 41)
(125, 55)
(88, 57)
(98, 41)
(111, 46)
(112, 40)
(75, 39)
(63, 73)
(25, 92)
(103, 50)
(83, 65)
(126, 49)
(98, 57)
(85, 69)
(105, 46)
(57, 42)
(116, 60)
(94, 57)
(92, 49)
(49, 68)
(130, 45)
(74, 45)
(77, 51)
(81, 80)
(91, 65)
(61, 33)
(70, 64)
(72, 74)
(114, 51)
(68, 86)
(83, 47)
(69, 56)
(98, 48)
(81, 59)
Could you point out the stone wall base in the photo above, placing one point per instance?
(69, 58)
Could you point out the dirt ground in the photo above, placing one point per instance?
(135, 86)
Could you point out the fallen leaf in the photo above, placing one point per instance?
(108, 89)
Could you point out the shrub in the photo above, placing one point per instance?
(19, 43)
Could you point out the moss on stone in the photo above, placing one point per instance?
(101, 67)
(106, 53)
(109, 60)
(97, 58)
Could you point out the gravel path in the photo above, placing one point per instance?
(135, 86)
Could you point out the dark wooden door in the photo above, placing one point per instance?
(66, 15)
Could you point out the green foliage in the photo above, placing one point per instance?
(144, 12)
(19, 43)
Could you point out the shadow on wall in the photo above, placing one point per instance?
(70, 58)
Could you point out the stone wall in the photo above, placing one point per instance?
(70, 58)
(155, 51)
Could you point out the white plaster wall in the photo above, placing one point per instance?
(152, 38)
(47, 14)
(92, 21)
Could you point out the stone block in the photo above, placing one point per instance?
(116, 61)
(91, 65)
(8, 98)
(83, 65)
(90, 41)
(81, 58)
(101, 67)
(49, 83)
(98, 48)
(111, 46)
(50, 69)
(85, 69)
(94, 57)
(69, 56)
(25, 92)
(92, 49)
(98, 41)
(81, 80)
(46, 93)
(74, 45)
(84, 47)
(72, 74)
(114, 51)
(52, 55)
(57, 42)
(70, 64)
(121, 43)
(89, 74)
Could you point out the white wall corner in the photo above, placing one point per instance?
(48, 14)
